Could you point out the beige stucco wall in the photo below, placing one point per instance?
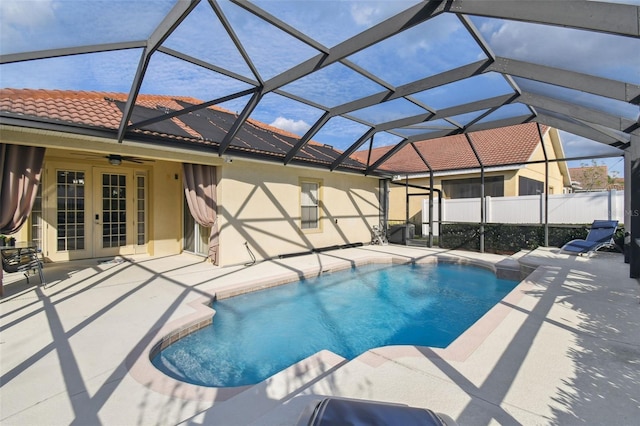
(260, 204)
(165, 209)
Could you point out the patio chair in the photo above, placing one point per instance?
(22, 260)
(335, 411)
(600, 235)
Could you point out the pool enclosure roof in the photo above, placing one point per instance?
(352, 75)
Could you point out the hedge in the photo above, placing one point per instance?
(508, 239)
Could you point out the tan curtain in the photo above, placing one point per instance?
(200, 191)
(20, 173)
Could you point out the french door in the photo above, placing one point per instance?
(100, 212)
(119, 211)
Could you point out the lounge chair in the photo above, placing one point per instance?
(334, 411)
(600, 235)
(22, 260)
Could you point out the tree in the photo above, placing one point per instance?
(593, 176)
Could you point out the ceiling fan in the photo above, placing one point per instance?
(117, 159)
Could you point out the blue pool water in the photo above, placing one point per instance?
(255, 335)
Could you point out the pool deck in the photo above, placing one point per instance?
(563, 348)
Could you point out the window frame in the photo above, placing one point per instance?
(494, 187)
(318, 204)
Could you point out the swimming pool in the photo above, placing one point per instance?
(255, 335)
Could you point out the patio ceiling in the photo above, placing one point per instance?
(355, 75)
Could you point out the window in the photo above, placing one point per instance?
(309, 203)
(114, 210)
(36, 218)
(528, 186)
(70, 201)
(196, 236)
(470, 187)
(141, 189)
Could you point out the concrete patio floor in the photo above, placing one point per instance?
(563, 348)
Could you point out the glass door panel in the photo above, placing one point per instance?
(113, 212)
(196, 237)
(64, 214)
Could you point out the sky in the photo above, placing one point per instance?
(437, 45)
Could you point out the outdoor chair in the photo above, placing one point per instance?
(22, 260)
(600, 235)
(335, 411)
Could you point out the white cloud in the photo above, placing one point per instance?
(595, 53)
(38, 13)
(369, 13)
(299, 127)
(364, 14)
(18, 22)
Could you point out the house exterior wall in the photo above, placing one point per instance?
(165, 212)
(536, 171)
(258, 202)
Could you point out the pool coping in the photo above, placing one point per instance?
(140, 367)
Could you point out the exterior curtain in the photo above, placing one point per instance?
(20, 173)
(200, 192)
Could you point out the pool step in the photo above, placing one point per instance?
(255, 402)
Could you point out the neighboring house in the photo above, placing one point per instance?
(594, 178)
(100, 198)
(504, 153)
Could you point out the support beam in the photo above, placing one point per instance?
(482, 194)
(546, 185)
(605, 87)
(235, 128)
(632, 209)
(610, 18)
(573, 126)
(207, 65)
(573, 110)
(387, 155)
(187, 110)
(427, 83)
(307, 137)
(70, 51)
(357, 144)
(236, 41)
(402, 21)
(431, 184)
(179, 12)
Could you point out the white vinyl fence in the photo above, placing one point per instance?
(576, 208)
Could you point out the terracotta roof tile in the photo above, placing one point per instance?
(506, 145)
(104, 110)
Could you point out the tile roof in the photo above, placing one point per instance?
(207, 126)
(590, 177)
(500, 146)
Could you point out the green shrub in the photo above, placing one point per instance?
(508, 239)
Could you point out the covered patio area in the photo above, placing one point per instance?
(561, 348)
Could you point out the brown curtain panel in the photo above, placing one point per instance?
(200, 191)
(20, 173)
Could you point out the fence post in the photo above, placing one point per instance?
(487, 209)
(610, 205)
